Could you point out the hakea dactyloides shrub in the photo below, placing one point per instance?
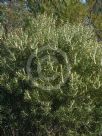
(67, 104)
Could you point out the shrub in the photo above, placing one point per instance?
(75, 108)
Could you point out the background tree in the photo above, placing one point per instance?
(95, 15)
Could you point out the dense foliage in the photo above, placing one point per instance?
(73, 109)
(50, 68)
